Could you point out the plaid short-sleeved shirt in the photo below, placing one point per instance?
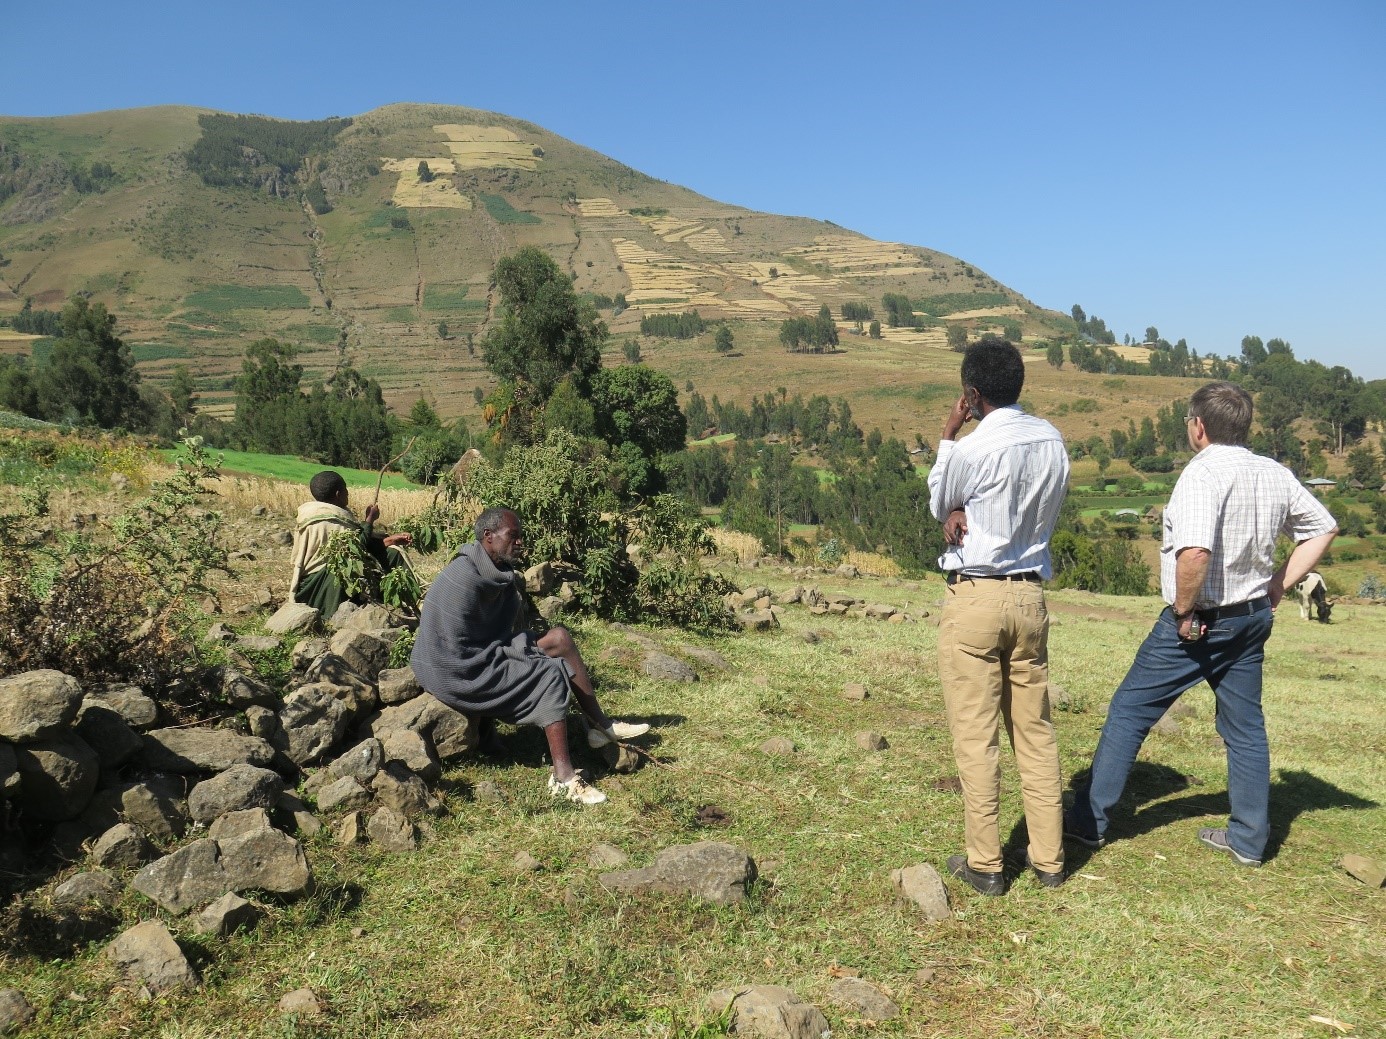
(1233, 503)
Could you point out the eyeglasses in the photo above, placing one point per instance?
(1191, 418)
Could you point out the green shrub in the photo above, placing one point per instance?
(116, 602)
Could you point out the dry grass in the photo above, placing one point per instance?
(732, 544)
(873, 564)
(282, 498)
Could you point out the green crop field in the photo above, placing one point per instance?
(502, 212)
(220, 299)
(295, 470)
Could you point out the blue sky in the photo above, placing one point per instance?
(1213, 168)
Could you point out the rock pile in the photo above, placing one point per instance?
(350, 743)
(757, 608)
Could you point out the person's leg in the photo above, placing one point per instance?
(1164, 669)
(558, 642)
(969, 663)
(1025, 707)
(1242, 726)
(556, 733)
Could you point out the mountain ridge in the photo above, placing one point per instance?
(351, 254)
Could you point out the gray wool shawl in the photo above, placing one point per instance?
(472, 654)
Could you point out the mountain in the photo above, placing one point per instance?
(203, 231)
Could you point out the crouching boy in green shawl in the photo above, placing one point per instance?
(327, 514)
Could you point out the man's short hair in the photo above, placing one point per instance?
(326, 485)
(1225, 409)
(995, 369)
(491, 519)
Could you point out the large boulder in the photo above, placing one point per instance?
(398, 685)
(56, 777)
(923, 886)
(332, 670)
(38, 705)
(267, 860)
(130, 702)
(292, 617)
(450, 732)
(148, 954)
(239, 691)
(711, 870)
(122, 847)
(238, 788)
(411, 750)
(15, 1012)
(361, 762)
(106, 732)
(768, 1012)
(396, 787)
(312, 722)
(203, 750)
(371, 617)
(365, 652)
(228, 914)
(94, 887)
(344, 795)
(191, 876)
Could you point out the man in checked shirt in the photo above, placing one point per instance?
(1218, 575)
(998, 493)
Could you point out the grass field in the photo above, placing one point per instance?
(296, 470)
(221, 299)
(1153, 938)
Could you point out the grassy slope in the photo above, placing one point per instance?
(1155, 937)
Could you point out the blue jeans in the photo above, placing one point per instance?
(1229, 659)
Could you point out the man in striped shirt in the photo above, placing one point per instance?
(998, 494)
(1218, 575)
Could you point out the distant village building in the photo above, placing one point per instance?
(1319, 484)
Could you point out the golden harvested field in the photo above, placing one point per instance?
(15, 342)
(597, 208)
(860, 257)
(487, 147)
(413, 193)
(693, 233)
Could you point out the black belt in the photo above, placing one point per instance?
(1237, 609)
(954, 576)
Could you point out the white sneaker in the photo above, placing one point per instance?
(619, 731)
(576, 789)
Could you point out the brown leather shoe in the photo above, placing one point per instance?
(982, 883)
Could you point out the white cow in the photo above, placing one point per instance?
(1313, 590)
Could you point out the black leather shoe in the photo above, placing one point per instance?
(1046, 879)
(982, 883)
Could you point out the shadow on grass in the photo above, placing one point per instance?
(1291, 794)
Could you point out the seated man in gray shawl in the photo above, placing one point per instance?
(472, 653)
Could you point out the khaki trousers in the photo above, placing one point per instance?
(993, 660)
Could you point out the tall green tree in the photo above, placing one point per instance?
(90, 376)
(637, 405)
(545, 332)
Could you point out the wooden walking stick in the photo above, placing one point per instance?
(381, 478)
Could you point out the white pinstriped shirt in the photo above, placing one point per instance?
(1233, 503)
(1009, 476)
